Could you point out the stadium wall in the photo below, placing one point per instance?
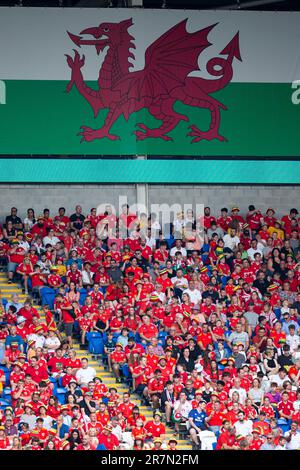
(23, 196)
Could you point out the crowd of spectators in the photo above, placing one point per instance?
(202, 322)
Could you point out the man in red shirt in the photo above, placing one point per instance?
(155, 428)
(40, 228)
(285, 407)
(147, 330)
(164, 280)
(227, 438)
(204, 338)
(254, 218)
(36, 372)
(287, 219)
(109, 440)
(156, 387)
(66, 315)
(224, 220)
(118, 359)
(85, 445)
(28, 312)
(126, 406)
(208, 218)
(216, 417)
(57, 363)
(141, 375)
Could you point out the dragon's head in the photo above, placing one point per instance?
(106, 34)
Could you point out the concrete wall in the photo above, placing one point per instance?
(54, 196)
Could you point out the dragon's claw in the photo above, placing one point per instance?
(142, 126)
(204, 135)
(150, 133)
(88, 134)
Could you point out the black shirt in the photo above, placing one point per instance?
(195, 353)
(285, 360)
(83, 405)
(190, 394)
(77, 220)
(13, 220)
(261, 285)
(296, 305)
(214, 295)
(189, 364)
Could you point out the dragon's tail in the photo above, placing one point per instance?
(224, 71)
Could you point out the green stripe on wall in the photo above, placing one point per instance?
(149, 171)
(40, 118)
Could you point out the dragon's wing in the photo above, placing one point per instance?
(168, 61)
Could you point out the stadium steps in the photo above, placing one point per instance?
(107, 377)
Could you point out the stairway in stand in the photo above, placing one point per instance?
(107, 377)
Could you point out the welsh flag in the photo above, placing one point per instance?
(133, 82)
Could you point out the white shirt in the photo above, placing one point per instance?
(47, 424)
(29, 419)
(278, 380)
(85, 276)
(117, 431)
(39, 340)
(50, 241)
(162, 297)
(280, 447)
(252, 251)
(181, 283)
(294, 443)
(244, 428)
(85, 375)
(293, 342)
(231, 242)
(52, 344)
(175, 249)
(151, 242)
(24, 245)
(195, 295)
(297, 405)
(185, 408)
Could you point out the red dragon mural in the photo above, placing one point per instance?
(164, 80)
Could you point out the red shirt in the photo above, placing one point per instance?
(38, 374)
(217, 418)
(156, 430)
(118, 356)
(286, 407)
(224, 222)
(142, 379)
(227, 439)
(205, 339)
(155, 385)
(66, 317)
(149, 331)
(54, 280)
(110, 442)
(125, 409)
(54, 362)
(75, 364)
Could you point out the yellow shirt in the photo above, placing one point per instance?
(280, 233)
(61, 270)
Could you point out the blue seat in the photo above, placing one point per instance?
(4, 403)
(96, 344)
(48, 296)
(83, 295)
(7, 395)
(60, 394)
